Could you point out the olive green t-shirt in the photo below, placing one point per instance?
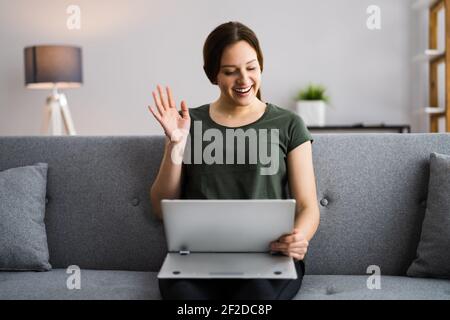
(246, 162)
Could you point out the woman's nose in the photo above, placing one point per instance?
(243, 77)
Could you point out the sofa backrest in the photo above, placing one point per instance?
(371, 191)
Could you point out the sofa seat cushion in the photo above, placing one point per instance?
(95, 285)
(113, 285)
(339, 287)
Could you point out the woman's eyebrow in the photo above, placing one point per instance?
(229, 65)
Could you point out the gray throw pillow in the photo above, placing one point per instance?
(23, 238)
(433, 252)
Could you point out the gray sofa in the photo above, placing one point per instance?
(371, 188)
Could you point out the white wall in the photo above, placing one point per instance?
(131, 45)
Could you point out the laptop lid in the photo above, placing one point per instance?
(247, 225)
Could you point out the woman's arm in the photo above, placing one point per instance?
(302, 185)
(167, 184)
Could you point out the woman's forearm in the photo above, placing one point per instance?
(167, 184)
(307, 221)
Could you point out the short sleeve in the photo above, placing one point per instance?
(298, 133)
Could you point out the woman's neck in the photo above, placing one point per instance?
(228, 110)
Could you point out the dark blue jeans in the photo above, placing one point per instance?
(232, 289)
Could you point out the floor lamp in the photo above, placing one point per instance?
(54, 67)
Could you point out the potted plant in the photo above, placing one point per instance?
(311, 105)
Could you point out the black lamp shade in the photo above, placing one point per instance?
(50, 66)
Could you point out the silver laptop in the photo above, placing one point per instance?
(226, 238)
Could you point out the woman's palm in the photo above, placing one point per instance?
(172, 120)
(175, 125)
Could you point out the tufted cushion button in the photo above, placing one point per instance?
(331, 290)
(423, 203)
(324, 202)
(135, 202)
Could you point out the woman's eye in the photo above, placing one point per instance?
(228, 73)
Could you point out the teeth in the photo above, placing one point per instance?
(244, 90)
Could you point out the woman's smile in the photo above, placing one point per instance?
(242, 91)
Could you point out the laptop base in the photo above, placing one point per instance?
(219, 265)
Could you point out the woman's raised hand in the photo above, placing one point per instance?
(175, 127)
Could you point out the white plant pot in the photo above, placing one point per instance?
(312, 112)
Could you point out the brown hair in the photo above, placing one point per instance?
(224, 35)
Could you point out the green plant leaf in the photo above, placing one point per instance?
(313, 92)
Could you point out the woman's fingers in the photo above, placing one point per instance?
(158, 103)
(291, 253)
(292, 245)
(293, 237)
(184, 110)
(163, 98)
(158, 117)
(166, 112)
(172, 103)
(155, 114)
(302, 242)
(285, 246)
(297, 256)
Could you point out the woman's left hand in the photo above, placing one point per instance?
(292, 245)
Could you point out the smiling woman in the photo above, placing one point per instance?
(239, 70)
(233, 61)
(242, 90)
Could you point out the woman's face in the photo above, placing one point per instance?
(239, 77)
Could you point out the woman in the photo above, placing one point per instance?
(234, 62)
